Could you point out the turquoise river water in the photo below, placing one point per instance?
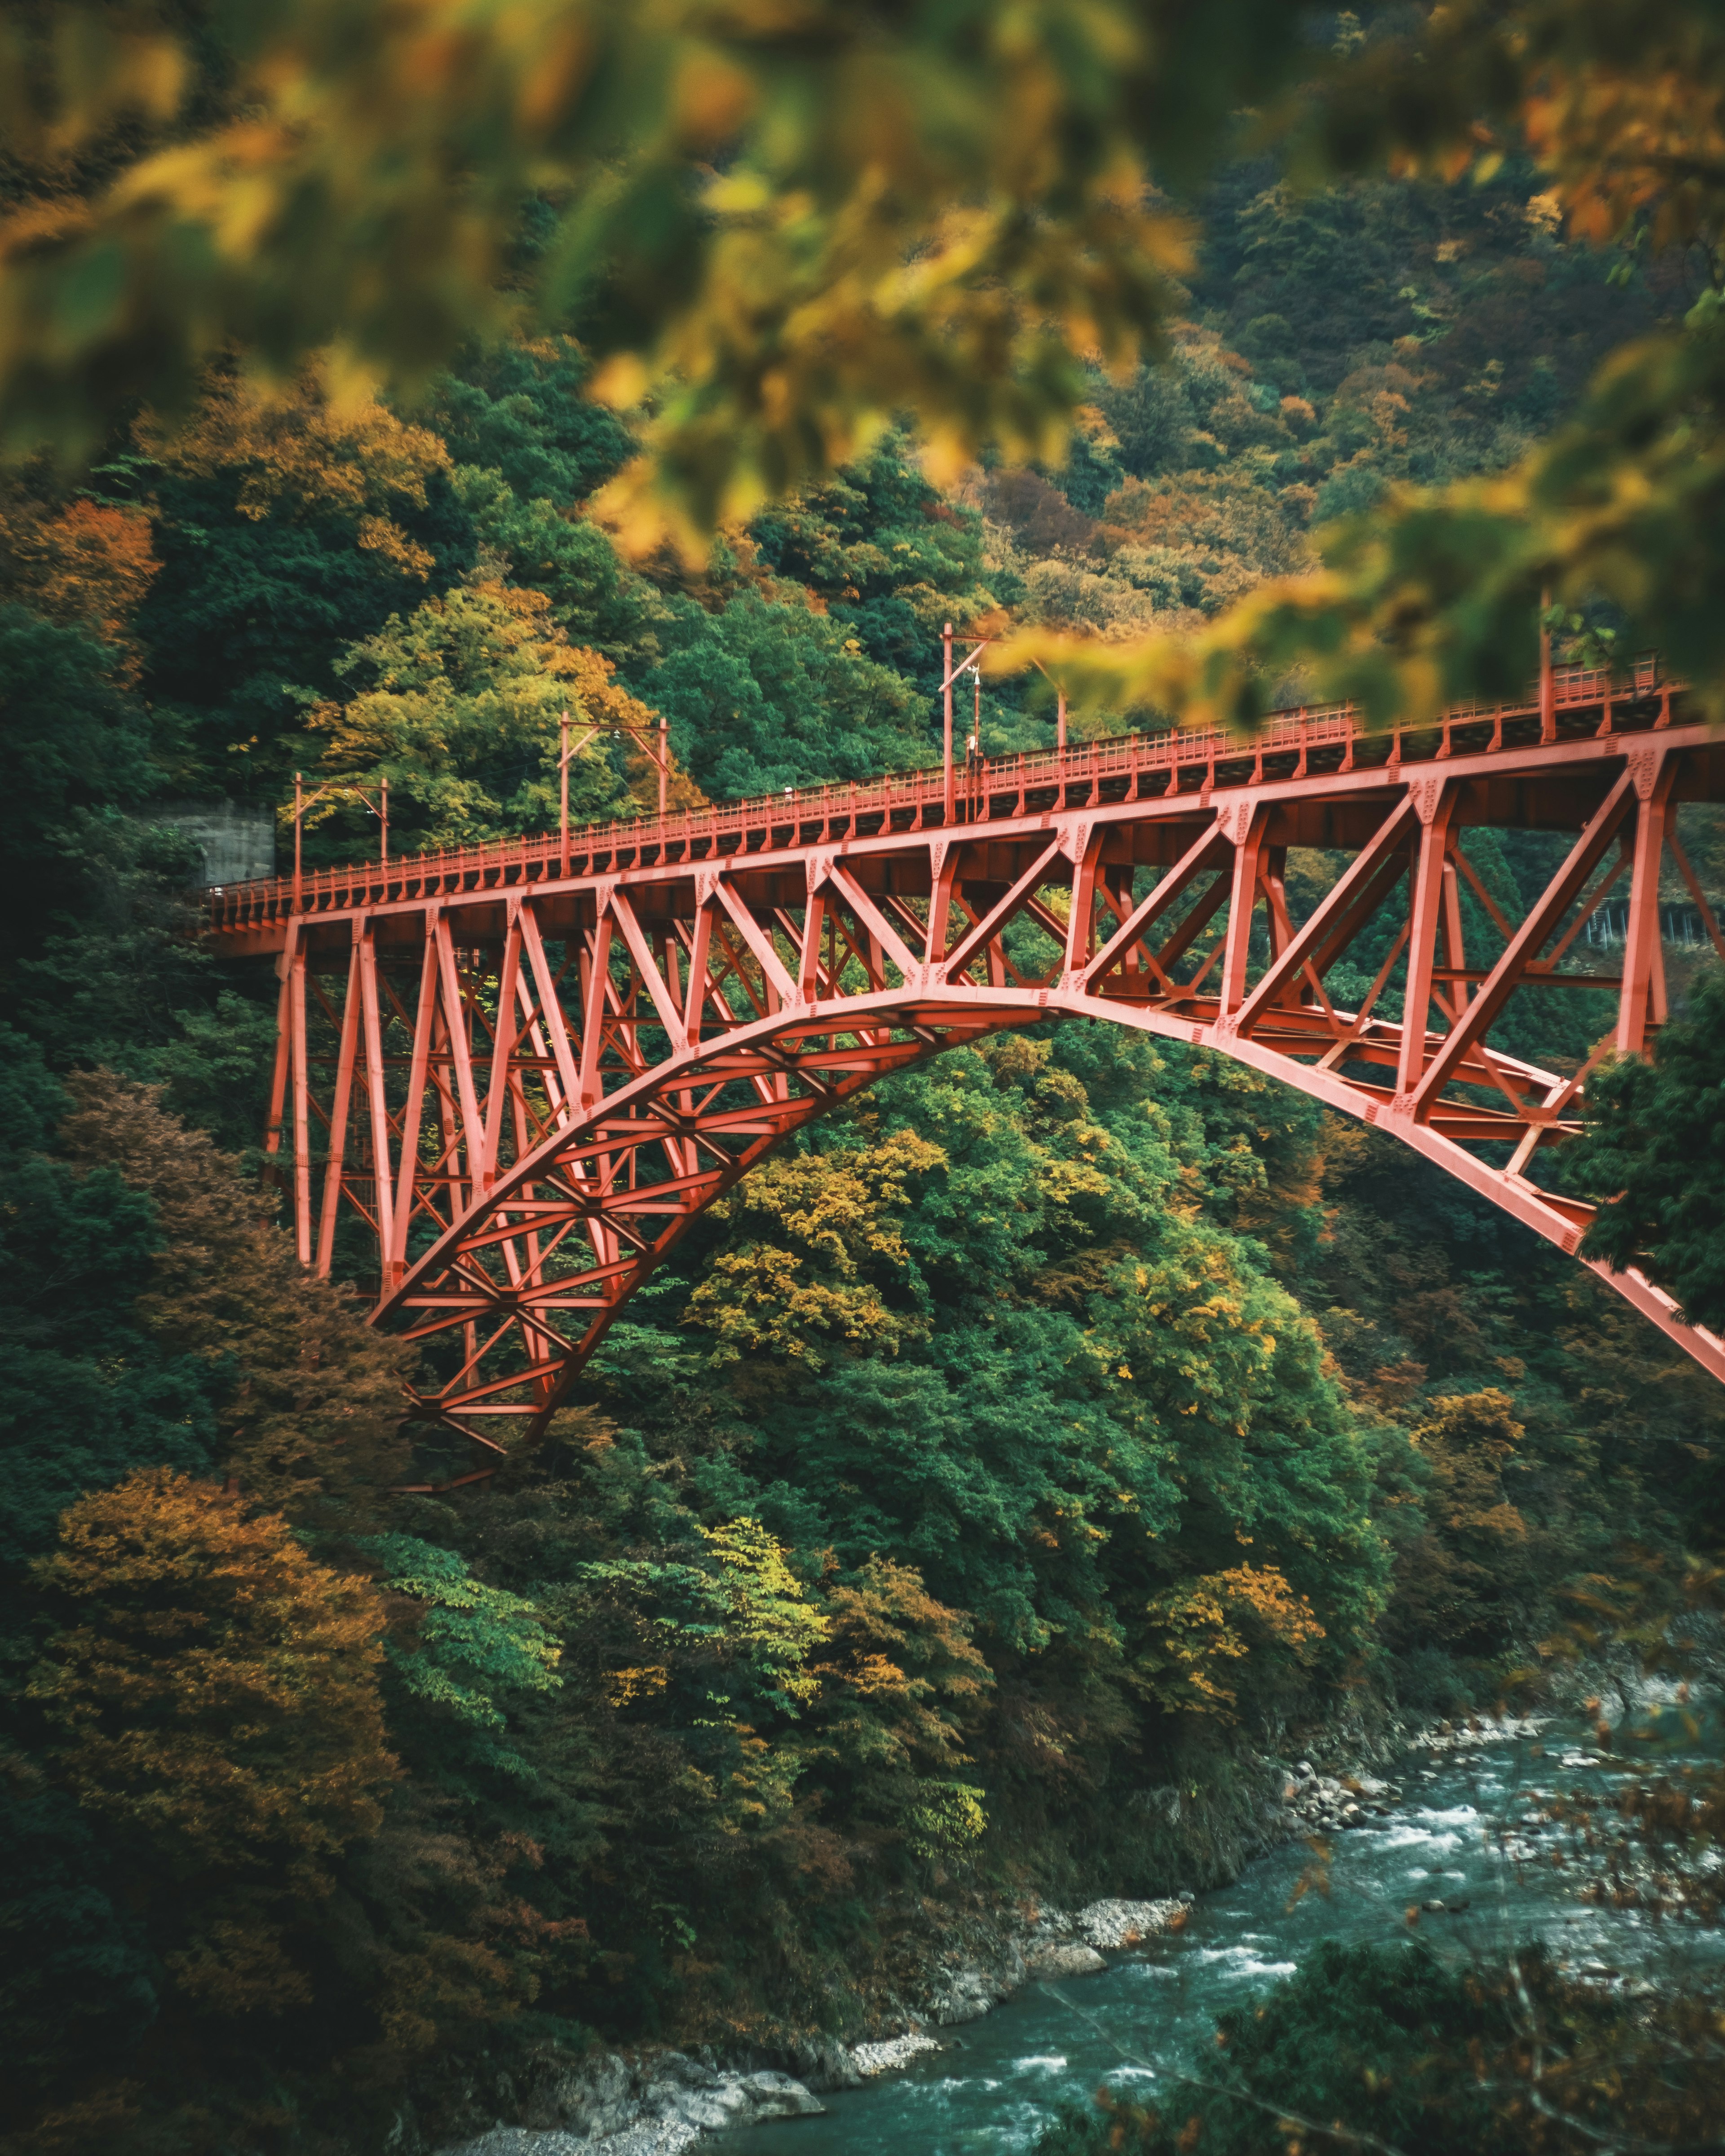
(1464, 1831)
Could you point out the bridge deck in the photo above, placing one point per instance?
(1590, 710)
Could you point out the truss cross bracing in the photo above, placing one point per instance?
(520, 1086)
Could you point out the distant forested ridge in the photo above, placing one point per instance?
(1054, 1426)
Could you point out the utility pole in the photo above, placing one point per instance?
(563, 792)
(303, 801)
(1548, 683)
(973, 791)
(971, 659)
(947, 736)
(1059, 706)
(567, 749)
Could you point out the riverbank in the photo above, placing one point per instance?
(952, 1961)
(658, 2104)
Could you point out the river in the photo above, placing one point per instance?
(1464, 1832)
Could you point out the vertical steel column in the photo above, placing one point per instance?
(377, 1100)
(1425, 905)
(338, 1111)
(472, 1126)
(284, 1037)
(1273, 869)
(815, 916)
(1080, 920)
(700, 938)
(1242, 906)
(302, 1105)
(1455, 941)
(551, 1010)
(592, 1015)
(1643, 991)
(503, 1042)
(414, 1108)
(943, 858)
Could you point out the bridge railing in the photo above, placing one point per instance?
(411, 875)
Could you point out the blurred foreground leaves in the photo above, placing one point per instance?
(789, 219)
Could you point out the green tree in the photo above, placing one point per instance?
(73, 744)
(886, 555)
(762, 696)
(516, 407)
(1653, 1152)
(91, 1393)
(307, 1396)
(286, 529)
(470, 1641)
(540, 545)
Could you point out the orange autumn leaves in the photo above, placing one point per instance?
(85, 565)
(214, 1697)
(294, 452)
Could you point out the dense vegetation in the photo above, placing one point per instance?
(1058, 1425)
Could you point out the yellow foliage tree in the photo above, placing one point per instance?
(213, 1696)
(771, 1620)
(900, 1679)
(796, 221)
(295, 452)
(1433, 595)
(1198, 1628)
(821, 1240)
(789, 223)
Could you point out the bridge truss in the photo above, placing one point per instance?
(520, 1072)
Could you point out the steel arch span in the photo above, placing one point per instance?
(518, 1073)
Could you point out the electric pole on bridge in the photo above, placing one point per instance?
(379, 808)
(565, 749)
(971, 659)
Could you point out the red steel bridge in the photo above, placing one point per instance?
(521, 1071)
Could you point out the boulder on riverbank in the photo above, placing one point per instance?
(1326, 1803)
(1111, 1926)
(1063, 1957)
(614, 2107)
(893, 2054)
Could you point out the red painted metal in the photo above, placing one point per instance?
(535, 1077)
